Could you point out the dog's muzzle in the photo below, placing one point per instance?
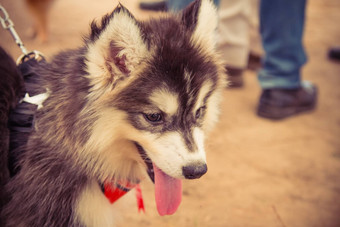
(191, 171)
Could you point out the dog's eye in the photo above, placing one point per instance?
(154, 117)
(199, 112)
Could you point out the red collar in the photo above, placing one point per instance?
(114, 192)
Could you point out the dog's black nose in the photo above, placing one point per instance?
(194, 171)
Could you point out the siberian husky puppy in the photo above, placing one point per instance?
(137, 97)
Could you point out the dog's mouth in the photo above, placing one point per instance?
(148, 162)
(168, 190)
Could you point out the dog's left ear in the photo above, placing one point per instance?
(201, 17)
(115, 48)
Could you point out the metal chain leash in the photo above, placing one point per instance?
(8, 24)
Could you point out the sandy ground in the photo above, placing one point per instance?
(261, 173)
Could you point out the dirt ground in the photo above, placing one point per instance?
(261, 173)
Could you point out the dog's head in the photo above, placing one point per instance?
(156, 88)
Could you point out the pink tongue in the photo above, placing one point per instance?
(168, 192)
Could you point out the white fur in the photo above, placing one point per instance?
(205, 31)
(198, 135)
(111, 142)
(165, 100)
(93, 208)
(212, 110)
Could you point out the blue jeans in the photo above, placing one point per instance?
(281, 28)
(175, 5)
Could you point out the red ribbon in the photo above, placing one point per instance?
(113, 193)
(139, 196)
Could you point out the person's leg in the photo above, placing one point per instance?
(256, 50)
(281, 28)
(233, 44)
(175, 5)
(154, 5)
(284, 93)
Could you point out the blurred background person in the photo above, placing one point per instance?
(284, 93)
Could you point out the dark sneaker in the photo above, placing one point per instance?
(334, 53)
(282, 103)
(234, 77)
(155, 5)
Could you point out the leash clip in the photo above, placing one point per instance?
(37, 55)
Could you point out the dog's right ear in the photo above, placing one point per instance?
(115, 48)
(201, 18)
